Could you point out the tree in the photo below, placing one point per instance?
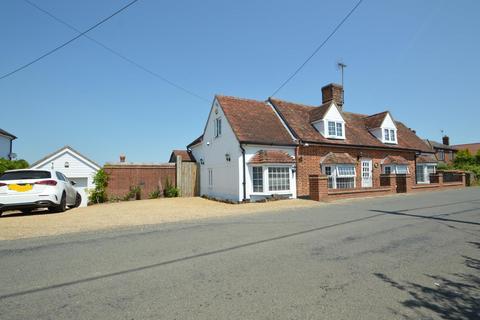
(477, 157)
(464, 158)
(99, 193)
(12, 164)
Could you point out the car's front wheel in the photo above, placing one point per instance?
(62, 206)
(78, 201)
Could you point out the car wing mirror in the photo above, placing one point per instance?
(73, 183)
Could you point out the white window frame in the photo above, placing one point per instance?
(425, 172)
(394, 168)
(389, 135)
(335, 174)
(262, 186)
(210, 177)
(218, 127)
(266, 180)
(339, 129)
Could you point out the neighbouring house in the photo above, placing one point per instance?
(186, 155)
(6, 145)
(472, 147)
(444, 152)
(74, 166)
(250, 150)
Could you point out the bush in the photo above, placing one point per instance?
(99, 193)
(155, 194)
(463, 158)
(170, 191)
(12, 164)
(134, 193)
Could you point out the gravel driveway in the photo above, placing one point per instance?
(15, 225)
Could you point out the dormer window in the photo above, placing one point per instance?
(389, 136)
(335, 129)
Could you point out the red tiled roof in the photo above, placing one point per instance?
(472, 147)
(297, 117)
(318, 113)
(376, 120)
(254, 121)
(340, 158)
(394, 160)
(271, 156)
(186, 156)
(426, 159)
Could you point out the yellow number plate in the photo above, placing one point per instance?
(20, 188)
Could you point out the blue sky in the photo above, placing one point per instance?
(419, 59)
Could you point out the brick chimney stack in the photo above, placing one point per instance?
(122, 158)
(446, 140)
(333, 92)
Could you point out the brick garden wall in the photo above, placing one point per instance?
(148, 177)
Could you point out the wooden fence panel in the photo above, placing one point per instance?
(188, 179)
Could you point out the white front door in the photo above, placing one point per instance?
(366, 173)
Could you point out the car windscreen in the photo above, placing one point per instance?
(27, 174)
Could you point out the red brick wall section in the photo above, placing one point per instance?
(148, 177)
(309, 163)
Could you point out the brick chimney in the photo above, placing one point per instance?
(446, 140)
(333, 92)
(122, 158)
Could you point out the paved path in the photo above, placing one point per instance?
(403, 257)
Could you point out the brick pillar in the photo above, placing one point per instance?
(440, 179)
(393, 182)
(318, 186)
(464, 180)
(409, 182)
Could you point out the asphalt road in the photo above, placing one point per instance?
(402, 257)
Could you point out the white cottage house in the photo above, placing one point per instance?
(252, 149)
(74, 166)
(235, 138)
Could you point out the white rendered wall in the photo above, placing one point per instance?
(213, 150)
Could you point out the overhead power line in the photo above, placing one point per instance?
(69, 41)
(118, 54)
(318, 48)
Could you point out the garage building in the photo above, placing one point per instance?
(74, 166)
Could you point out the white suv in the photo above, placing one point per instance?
(28, 189)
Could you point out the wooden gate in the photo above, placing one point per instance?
(188, 178)
(401, 183)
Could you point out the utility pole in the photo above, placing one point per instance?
(342, 66)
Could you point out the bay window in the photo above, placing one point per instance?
(340, 176)
(423, 172)
(278, 178)
(270, 178)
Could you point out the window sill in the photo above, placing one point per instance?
(268, 193)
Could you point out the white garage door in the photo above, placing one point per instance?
(81, 186)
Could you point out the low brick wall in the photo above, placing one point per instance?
(149, 177)
(389, 184)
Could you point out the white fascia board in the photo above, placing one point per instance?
(62, 152)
